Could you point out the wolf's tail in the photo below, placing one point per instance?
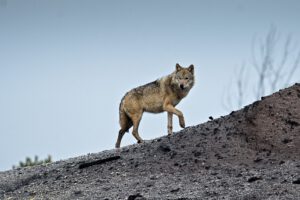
(125, 123)
(124, 120)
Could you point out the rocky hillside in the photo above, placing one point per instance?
(253, 153)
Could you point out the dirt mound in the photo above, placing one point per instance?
(253, 153)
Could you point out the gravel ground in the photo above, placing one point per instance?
(253, 153)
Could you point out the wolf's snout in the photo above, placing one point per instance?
(182, 86)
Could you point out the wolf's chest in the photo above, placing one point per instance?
(175, 101)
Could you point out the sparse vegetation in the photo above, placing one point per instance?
(32, 162)
(275, 60)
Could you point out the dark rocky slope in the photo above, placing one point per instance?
(253, 153)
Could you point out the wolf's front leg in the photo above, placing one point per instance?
(170, 108)
(181, 121)
(170, 123)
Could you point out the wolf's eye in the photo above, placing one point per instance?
(186, 78)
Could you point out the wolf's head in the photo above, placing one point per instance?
(184, 77)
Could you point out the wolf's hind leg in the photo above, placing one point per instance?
(170, 123)
(126, 124)
(120, 136)
(136, 118)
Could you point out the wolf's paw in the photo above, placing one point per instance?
(118, 151)
(140, 141)
(170, 131)
(182, 123)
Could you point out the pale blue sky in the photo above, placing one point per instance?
(65, 65)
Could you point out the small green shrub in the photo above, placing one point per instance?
(32, 162)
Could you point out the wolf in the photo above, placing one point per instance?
(155, 97)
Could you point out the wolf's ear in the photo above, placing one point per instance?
(191, 69)
(178, 67)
